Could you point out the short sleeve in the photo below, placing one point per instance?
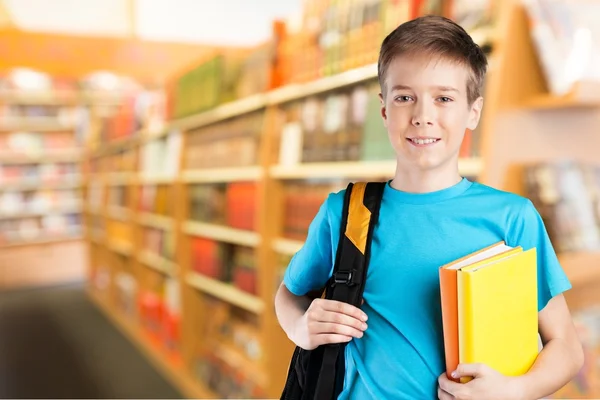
(529, 232)
(312, 265)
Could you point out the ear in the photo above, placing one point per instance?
(475, 114)
(383, 110)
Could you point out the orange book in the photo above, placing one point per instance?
(449, 299)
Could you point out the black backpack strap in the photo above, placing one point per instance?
(359, 217)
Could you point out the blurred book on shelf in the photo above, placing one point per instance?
(39, 174)
(586, 384)
(35, 144)
(40, 199)
(208, 203)
(565, 37)
(138, 111)
(233, 204)
(210, 258)
(39, 202)
(478, 17)
(330, 37)
(42, 228)
(159, 242)
(95, 195)
(342, 125)
(118, 196)
(302, 202)
(159, 312)
(123, 160)
(156, 199)
(160, 157)
(567, 196)
(119, 232)
(126, 288)
(225, 262)
(229, 361)
(231, 143)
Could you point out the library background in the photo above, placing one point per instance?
(172, 178)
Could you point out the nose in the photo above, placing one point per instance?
(423, 114)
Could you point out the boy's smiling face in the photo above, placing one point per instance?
(426, 110)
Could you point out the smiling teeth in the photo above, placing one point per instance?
(423, 141)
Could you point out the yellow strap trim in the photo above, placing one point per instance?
(359, 216)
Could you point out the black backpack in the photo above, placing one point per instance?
(319, 374)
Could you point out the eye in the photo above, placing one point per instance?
(444, 99)
(403, 98)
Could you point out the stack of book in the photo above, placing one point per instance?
(489, 306)
(567, 195)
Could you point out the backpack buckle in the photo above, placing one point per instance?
(345, 277)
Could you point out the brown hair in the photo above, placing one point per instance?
(435, 36)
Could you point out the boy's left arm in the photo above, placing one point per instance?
(558, 362)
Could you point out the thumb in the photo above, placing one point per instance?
(469, 370)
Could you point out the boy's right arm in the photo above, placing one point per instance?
(310, 323)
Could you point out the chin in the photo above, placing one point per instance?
(427, 164)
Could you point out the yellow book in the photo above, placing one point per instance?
(449, 296)
(497, 312)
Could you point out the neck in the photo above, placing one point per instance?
(412, 180)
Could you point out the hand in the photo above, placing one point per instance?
(329, 321)
(487, 384)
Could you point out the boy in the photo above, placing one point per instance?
(431, 74)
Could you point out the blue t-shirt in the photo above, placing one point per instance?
(401, 354)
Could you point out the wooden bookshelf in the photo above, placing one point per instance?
(583, 95)
(239, 107)
(515, 93)
(119, 213)
(24, 185)
(120, 178)
(344, 79)
(287, 246)
(235, 359)
(156, 221)
(37, 124)
(582, 268)
(42, 242)
(222, 175)
(178, 375)
(52, 211)
(57, 97)
(158, 263)
(43, 157)
(155, 179)
(38, 97)
(226, 292)
(364, 169)
(45, 256)
(93, 210)
(222, 233)
(120, 247)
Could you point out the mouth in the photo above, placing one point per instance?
(422, 142)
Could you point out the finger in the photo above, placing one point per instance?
(469, 370)
(330, 338)
(341, 319)
(344, 308)
(444, 395)
(448, 386)
(328, 327)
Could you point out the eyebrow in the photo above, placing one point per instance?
(440, 88)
